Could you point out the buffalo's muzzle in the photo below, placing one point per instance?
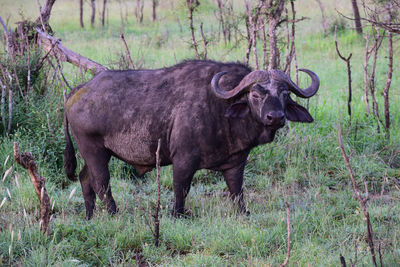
(275, 118)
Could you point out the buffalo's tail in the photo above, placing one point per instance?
(69, 153)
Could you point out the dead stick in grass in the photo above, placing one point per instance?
(362, 200)
(132, 66)
(156, 215)
(390, 72)
(342, 261)
(192, 5)
(347, 60)
(27, 162)
(288, 235)
(205, 42)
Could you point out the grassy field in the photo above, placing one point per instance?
(303, 166)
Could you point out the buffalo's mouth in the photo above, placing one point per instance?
(276, 125)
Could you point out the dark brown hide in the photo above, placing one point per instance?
(124, 113)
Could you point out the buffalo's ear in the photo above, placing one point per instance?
(237, 110)
(295, 112)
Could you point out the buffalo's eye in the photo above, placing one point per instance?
(285, 93)
(255, 95)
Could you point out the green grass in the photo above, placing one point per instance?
(303, 166)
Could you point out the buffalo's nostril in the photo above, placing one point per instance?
(275, 117)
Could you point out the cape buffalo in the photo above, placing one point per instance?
(208, 115)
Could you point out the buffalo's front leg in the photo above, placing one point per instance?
(183, 174)
(234, 180)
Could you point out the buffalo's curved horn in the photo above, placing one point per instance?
(304, 93)
(250, 79)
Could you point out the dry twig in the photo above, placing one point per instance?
(132, 66)
(249, 43)
(254, 23)
(2, 102)
(291, 39)
(156, 215)
(288, 232)
(362, 200)
(50, 43)
(342, 261)
(390, 72)
(347, 60)
(27, 162)
(192, 5)
(205, 41)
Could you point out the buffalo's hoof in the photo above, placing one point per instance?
(244, 211)
(112, 212)
(180, 214)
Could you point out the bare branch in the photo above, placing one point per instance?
(253, 21)
(205, 42)
(10, 108)
(288, 233)
(347, 60)
(4, 25)
(292, 51)
(378, 38)
(366, 59)
(156, 215)
(390, 73)
(27, 161)
(192, 5)
(127, 51)
(249, 43)
(64, 54)
(363, 201)
(390, 27)
(2, 110)
(342, 261)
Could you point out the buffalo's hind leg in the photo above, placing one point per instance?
(97, 159)
(234, 180)
(88, 193)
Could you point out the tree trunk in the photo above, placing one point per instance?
(81, 13)
(45, 12)
(357, 19)
(322, 8)
(93, 4)
(103, 13)
(139, 11)
(155, 4)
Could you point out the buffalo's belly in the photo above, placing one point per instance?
(133, 146)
